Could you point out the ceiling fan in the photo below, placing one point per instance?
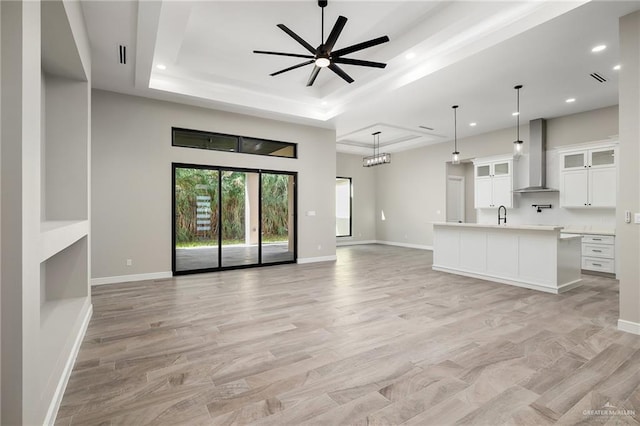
(324, 55)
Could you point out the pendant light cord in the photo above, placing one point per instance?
(518, 116)
(455, 129)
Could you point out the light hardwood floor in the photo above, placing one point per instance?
(376, 338)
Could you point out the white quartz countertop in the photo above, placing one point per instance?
(588, 230)
(496, 226)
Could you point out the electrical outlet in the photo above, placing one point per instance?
(129, 262)
(319, 246)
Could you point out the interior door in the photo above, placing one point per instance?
(455, 199)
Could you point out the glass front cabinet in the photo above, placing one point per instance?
(588, 177)
(493, 182)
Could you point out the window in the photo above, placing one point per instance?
(343, 206)
(220, 142)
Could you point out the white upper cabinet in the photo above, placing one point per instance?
(588, 177)
(493, 182)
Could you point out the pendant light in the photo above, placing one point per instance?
(377, 158)
(517, 144)
(455, 155)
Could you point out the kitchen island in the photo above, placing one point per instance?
(530, 256)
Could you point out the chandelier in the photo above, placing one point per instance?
(377, 158)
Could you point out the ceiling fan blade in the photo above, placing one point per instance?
(338, 70)
(360, 46)
(295, 55)
(335, 33)
(292, 68)
(297, 38)
(313, 75)
(348, 61)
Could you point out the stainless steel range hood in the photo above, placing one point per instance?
(537, 158)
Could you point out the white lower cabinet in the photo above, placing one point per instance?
(598, 253)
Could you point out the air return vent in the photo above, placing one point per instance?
(598, 77)
(123, 54)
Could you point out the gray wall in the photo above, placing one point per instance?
(131, 178)
(412, 189)
(628, 236)
(364, 196)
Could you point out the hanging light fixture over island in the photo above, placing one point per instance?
(455, 155)
(517, 144)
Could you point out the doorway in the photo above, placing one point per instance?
(226, 218)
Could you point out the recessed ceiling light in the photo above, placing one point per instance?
(410, 55)
(616, 68)
(515, 113)
(161, 67)
(473, 124)
(570, 100)
(324, 103)
(599, 48)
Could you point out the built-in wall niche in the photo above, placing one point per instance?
(63, 295)
(65, 151)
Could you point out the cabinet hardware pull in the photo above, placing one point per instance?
(596, 264)
(596, 251)
(597, 239)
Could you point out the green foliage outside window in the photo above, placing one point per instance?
(196, 198)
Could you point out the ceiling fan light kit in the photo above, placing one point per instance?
(324, 56)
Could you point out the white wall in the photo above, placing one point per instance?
(628, 236)
(131, 178)
(412, 189)
(364, 195)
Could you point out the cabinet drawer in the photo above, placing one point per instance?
(599, 239)
(601, 265)
(598, 250)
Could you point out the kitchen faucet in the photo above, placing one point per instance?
(502, 219)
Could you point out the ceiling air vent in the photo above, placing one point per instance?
(598, 77)
(123, 54)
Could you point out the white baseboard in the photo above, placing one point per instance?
(130, 278)
(523, 284)
(628, 326)
(407, 245)
(317, 259)
(54, 406)
(353, 242)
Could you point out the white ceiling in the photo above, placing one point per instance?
(466, 53)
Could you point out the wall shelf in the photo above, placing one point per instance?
(57, 235)
(57, 319)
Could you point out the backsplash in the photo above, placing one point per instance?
(524, 214)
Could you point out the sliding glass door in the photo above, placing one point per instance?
(278, 225)
(230, 218)
(240, 212)
(196, 218)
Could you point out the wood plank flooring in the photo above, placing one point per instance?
(375, 338)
